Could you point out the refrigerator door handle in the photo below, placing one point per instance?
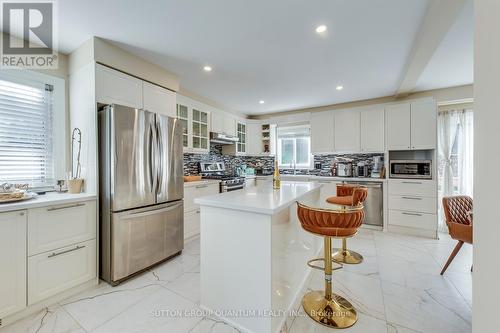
(154, 162)
(150, 153)
(159, 171)
(153, 211)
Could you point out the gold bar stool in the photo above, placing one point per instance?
(325, 307)
(348, 195)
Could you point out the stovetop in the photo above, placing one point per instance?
(220, 177)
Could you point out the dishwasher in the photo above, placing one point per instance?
(374, 207)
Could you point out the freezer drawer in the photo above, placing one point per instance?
(144, 237)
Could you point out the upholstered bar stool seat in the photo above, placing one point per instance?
(339, 221)
(348, 195)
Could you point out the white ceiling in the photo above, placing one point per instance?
(452, 63)
(268, 50)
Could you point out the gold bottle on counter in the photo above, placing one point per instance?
(276, 176)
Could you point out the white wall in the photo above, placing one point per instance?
(486, 276)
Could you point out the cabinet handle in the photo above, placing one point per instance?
(415, 183)
(21, 213)
(198, 211)
(65, 207)
(412, 214)
(55, 254)
(411, 198)
(201, 186)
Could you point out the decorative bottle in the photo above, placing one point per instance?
(276, 176)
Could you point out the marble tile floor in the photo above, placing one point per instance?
(397, 289)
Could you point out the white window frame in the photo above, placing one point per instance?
(306, 166)
(60, 134)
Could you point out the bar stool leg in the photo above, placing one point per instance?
(346, 256)
(326, 307)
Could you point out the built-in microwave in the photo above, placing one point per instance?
(420, 169)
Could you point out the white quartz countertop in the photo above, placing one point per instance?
(261, 199)
(332, 178)
(201, 182)
(48, 199)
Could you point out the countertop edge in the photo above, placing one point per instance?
(49, 199)
(265, 211)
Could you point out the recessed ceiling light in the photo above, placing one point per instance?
(321, 28)
(207, 69)
(339, 87)
(261, 102)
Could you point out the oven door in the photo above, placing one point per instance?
(229, 188)
(414, 169)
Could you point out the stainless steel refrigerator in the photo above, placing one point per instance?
(141, 190)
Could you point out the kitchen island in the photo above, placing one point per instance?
(254, 254)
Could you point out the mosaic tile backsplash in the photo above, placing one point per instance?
(191, 162)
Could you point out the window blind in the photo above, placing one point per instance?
(294, 131)
(26, 111)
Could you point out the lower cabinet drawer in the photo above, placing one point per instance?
(424, 188)
(54, 227)
(193, 192)
(413, 203)
(413, 220)
(191, 223)
(56, 271)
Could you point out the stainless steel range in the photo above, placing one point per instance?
(217, 170)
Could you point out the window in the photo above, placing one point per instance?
(294, 147)
(26, 141)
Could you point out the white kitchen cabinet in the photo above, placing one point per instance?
(196, 125)
(200, 130)
(411, 125)
(191, 223)
(53, 272)
(192, 210)
(158, 99)
(398, 124)
(347, 131)
(239, 148)
(217, 122)
(372, 130)
(229, 125)
(116, 87)
(223, 122)
(241, 132)
(322, 132)
(12, 262)
(423, 125)
(62, 225)
(254, 139)
(412, 207)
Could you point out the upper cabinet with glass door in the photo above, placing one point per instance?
(195, 121)
(200, 130)
(183, 116)
(241, 131)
